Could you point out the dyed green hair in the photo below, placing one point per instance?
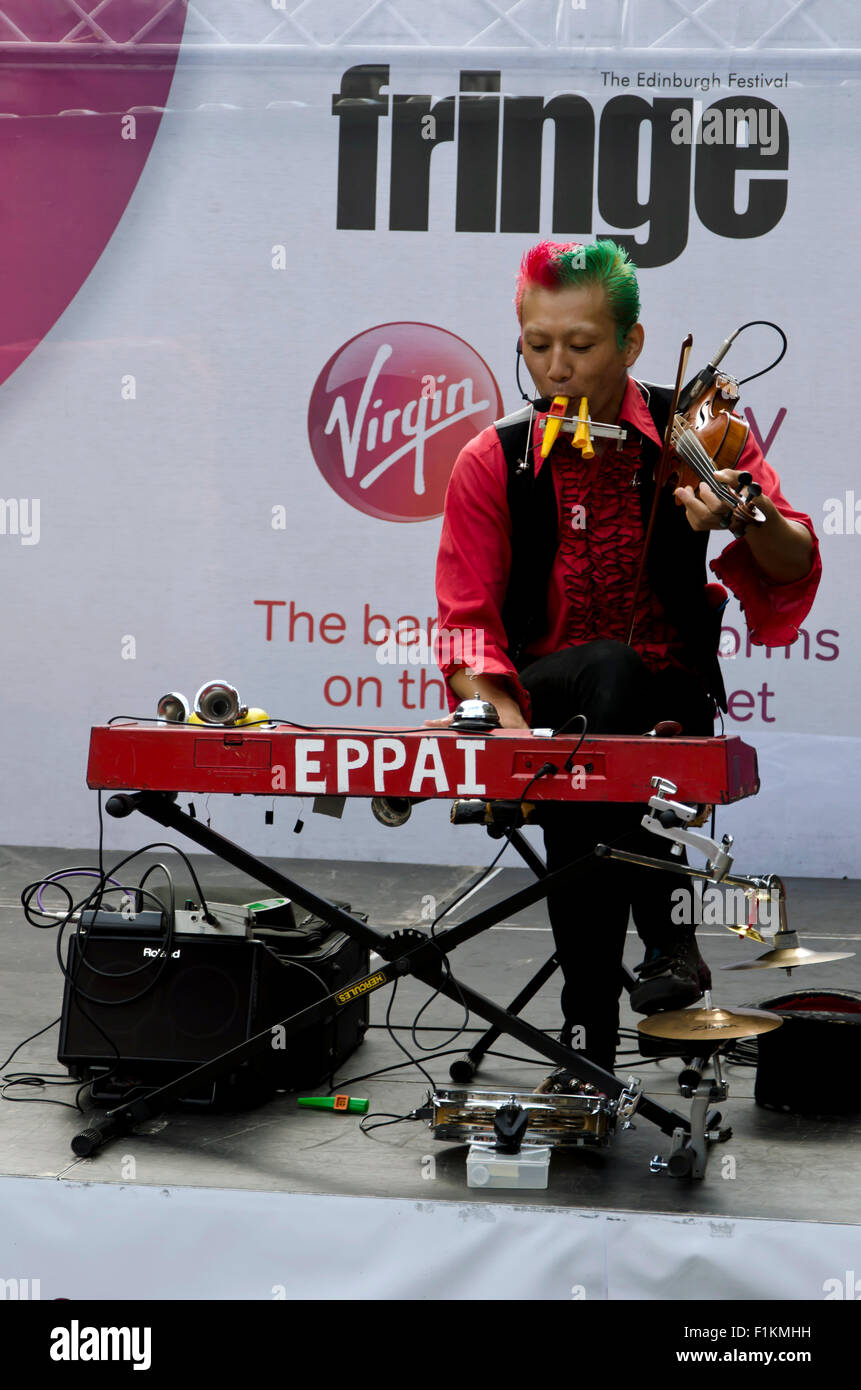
(556, 265)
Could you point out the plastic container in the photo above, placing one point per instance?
(486, 1167)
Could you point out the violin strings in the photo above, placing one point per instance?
(687, 445)
(707, 475)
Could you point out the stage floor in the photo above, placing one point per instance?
(785, 1167)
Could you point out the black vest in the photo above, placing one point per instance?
(675, 566)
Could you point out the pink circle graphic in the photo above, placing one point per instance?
(89, 106)
(390, 412)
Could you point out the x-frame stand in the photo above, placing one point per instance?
(403, 952)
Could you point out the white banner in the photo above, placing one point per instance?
(226, 451)
(211, 1243)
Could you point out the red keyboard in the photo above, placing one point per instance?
(415, 763)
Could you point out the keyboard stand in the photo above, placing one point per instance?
(404, 952)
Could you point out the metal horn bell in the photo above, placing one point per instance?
(392, 810)
(219, 703)
(173, 708)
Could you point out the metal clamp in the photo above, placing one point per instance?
(669, 819)
(597, 428)
(627, 1101)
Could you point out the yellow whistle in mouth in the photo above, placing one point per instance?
(553, 423)
(582, 439)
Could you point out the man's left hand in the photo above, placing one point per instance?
(705, 510)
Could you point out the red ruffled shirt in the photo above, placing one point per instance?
(600, 543)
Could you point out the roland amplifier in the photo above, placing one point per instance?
(134, 1016)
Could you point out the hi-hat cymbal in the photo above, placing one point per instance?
(788, 958)
(705, 1025)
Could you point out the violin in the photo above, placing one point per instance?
(701, 436)
(706, 436)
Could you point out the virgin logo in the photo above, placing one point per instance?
(390, 412)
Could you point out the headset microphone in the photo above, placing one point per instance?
(539, 402)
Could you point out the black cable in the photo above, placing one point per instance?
(563, 727)
(449, 729)
(511, 1057)
(56, 919)
(391, 1120)
(445, 1042)
(547, 769)
(447, 1052)
(438, 1028)
(26, 1040)
(48, 1078)
(98, 891)
(105, 875)
(166, 844)
(81, 993)
(101, 850)
(32, 890)
(415, 1062)
(765, 323)
(446, 964)
(34, 1078)
(543, 771)
(95, 898)
(102, 888)
(40, 1079)
(289, 961)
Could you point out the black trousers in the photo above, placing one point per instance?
(609, 684)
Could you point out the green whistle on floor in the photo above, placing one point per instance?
(352, 1104)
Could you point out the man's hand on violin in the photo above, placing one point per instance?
(705, 510)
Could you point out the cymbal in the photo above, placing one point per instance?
(707, 1025)
(788, 958)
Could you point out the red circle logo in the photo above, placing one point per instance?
(390, 412)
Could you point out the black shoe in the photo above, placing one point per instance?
(671, 979)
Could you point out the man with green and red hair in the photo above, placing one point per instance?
(540, 555)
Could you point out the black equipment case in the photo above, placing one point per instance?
(811, 1065)
(317, 961)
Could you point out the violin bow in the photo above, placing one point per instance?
(661, 474)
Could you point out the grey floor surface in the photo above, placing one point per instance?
(784, 1166)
